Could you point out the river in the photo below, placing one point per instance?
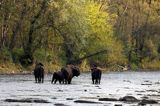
(113, 85)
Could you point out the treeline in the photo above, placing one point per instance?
(110, 33)
(138, 27)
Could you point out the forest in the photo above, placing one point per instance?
(109, 33)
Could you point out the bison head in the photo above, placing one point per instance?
(75, 71)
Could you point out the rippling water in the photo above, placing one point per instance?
(113, 85)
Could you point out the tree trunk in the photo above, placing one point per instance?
(17, 27)
(27, 58)
(4, 29)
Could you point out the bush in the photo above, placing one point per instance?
(17, 54)
(134, 66)
(44, 55)
(40, 54)
(154, 64)
(5, 55)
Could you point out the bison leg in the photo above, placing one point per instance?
(35, 78)
(52, 80)
(42, 79)
(66, 81)
(55, 81)
(63, 81)
(92, 80)
(69, 81)
(96, 81)
(39, 79)
(60, 81)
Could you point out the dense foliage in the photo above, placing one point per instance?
(110, 33)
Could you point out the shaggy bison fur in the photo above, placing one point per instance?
(96, 75)
(58, 76)
(39, 73)
(69, 72)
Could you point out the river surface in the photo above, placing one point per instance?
(113, 85)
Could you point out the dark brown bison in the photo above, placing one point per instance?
(39, 73)
(96, 75)
(69, 72)
(58, 76)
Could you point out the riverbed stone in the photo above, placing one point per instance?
(157, 83)
(60, 91)
(85, 90)
(27, 100)
(146, 84)
(118, 105)
(86, 101)
(145, 101)
(69, 98)
(128, 99)
(152, 90)
(54, 98)
(60, 104)
(108, 99)
(145, 97)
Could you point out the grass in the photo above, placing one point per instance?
(11, 68)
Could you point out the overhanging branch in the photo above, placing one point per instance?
(77, 61)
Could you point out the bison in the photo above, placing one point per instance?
(69, 72)
(39, 73)
(58, 76)
(96, 75)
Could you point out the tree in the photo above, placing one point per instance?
(84, 28)
(135, 21)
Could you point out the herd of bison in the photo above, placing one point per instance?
(65, 75)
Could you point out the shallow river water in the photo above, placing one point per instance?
(113, 85)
